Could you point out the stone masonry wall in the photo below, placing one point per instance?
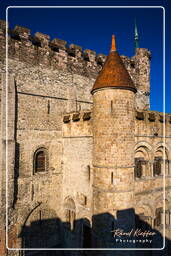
(39, 51)
(113, 134)
(52, 80)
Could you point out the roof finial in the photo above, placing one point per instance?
(136, 36)
(113, 46)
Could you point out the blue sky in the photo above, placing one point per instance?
(92, 29)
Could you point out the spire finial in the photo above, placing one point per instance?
(113, 45)
(136, 36)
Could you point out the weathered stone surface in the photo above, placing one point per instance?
(47, 87)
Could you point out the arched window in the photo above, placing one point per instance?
(161, 163)
(40, 160)
(138, 171)
(157, 166)
(159, 217)
(142, 169)
(70, 213)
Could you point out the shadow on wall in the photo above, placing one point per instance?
(105, 231)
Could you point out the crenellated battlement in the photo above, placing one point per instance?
(57, 54)
(153, 116)
(38, 49)
(151, 124)
(77, 124)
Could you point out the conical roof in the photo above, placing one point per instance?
(114, 73)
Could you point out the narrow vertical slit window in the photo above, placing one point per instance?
(111, 177)
(48, 107)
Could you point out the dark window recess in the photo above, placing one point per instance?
(151, 117)
(40, 162)
(157, 170)
(140, 116)
(89, 172)
(48, 107)
(111, 106)
(14, 34)
(54, 47)
(76, 117)
(85, 200)
(35, 41)
(66, 119)
(87, 116)
(99, 62)
(161, 119)
(170, 119)
(146, 93)
(111, 177)
(158, 219)
(138, 167)
(71, 52)
(132, 65)
(85, 56)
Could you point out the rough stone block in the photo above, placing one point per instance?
(2, 24)
(58, 43)
(76, 47)
(22, 31)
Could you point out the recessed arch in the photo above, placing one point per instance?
(143, 144)
(142, 157)
(41, 227)
(69, 213)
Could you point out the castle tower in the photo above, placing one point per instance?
(113, 151)
(141, 73)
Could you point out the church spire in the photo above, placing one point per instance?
(136, 36)
(114, 74)
(113, 45)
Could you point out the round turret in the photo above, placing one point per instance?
(113, 151)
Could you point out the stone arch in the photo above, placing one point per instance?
(143, 144)
(161, 159)
(148, 209)
(69, 213)
(41, 228)
(162, 214)
(162, 147)
(142, 159)
(144, 215)
(159, 201)
(69, 203)
(40, 160)
(161, 144)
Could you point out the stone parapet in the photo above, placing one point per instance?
(38, 49)
(153, 116)
(77, 124)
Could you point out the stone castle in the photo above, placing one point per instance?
(81, 152)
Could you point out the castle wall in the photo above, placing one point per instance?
(149, 189)
(53, 80)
